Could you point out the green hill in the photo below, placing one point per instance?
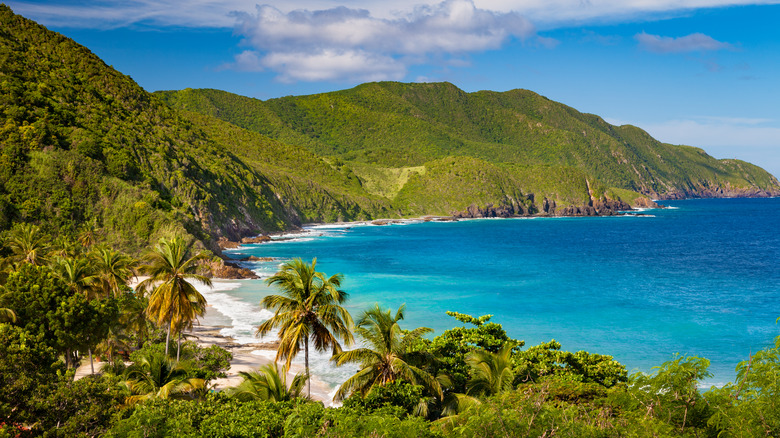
(81, 142)
(395, 125)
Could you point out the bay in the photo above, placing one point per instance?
(699, 278)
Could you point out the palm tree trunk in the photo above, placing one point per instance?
(178, 347)
(91, 363)
(306, 361)
(167, 339)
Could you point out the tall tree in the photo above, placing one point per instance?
(388, 357)
(77, 274)
(46, 305)
(174, 301)
(310, 309)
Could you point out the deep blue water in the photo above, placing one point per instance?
(701, 278)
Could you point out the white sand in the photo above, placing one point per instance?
(246, 357)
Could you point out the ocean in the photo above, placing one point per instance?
(700, 278)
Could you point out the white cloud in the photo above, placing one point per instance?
(333, 65)
(387, 38)
(545, 14)
(298, 44)
(695, 42)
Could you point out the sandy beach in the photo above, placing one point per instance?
(246, 357)
(249, 357)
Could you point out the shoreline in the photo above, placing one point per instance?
(246, 356)
(250, 357)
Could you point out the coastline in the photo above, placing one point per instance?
(247, 356)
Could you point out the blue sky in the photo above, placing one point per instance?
(697, 72)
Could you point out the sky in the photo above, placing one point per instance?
(697, 72)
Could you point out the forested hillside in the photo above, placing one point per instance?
(395, 125)
(83, 143)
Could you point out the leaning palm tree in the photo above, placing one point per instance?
(174, 301)
(310, 309)
(156, 375)
(388, 357)
(113, 269)
(268, 383)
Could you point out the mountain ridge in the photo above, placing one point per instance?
(426, 122)
(83, 143)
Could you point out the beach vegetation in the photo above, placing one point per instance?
(95, 171)
(174, 302)
(156, 375)
(309, 309)
(268, 383)
(388, 355)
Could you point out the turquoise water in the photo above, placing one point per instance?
(700, 278)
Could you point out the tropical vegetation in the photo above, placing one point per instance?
(87, 152)
(470, 380)
(101, 180)
(388, 356)
(309, 309)
(174, 302)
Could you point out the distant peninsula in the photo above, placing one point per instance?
(83, 143)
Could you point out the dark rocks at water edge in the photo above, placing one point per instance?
(219, 268)
(256, 259)
(225, 243)
(594, 207)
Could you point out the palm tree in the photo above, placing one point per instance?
(174, 301)
(389, 356)
(155, 375)
(113, 269)
(268, 384)
(133, 317)
(491, 374)
(89, 235)
(309, 309)
(66, 247)
(28, 244)
(76, 273)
